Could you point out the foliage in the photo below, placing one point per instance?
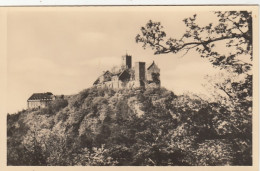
(234, 29)
(229, 114)
(96, 157)
(125, 127)
(55, 106)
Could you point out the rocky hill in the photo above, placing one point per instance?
(125, 127)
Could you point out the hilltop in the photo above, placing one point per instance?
(101, 126)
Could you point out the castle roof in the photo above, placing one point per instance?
(41, 96)
(124, 74)
(104, 73)
(96, 82)
(120, 74)
(151, 65)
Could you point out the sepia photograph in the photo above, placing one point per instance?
(132, 86)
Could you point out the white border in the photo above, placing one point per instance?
(124, 2)
(114, 2)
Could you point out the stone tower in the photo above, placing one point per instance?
(127, 61)
(140, 74)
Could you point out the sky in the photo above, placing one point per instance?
(64, 50)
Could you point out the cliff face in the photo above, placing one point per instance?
(125, 127)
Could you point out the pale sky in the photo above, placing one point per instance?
(64, 50)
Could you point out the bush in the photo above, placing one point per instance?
(54, 107)
(59, 104)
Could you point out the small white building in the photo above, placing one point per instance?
(40, 100)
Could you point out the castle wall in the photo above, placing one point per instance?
(131, 84)
(153, 69)
(117, 84)
(152, 85)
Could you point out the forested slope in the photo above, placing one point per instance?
(129, 127)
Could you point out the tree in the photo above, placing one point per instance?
(232, 93)
(234, 28)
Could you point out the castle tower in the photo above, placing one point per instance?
(153, 75)
(140, 74)
(127, 61)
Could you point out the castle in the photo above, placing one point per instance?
(130, 77)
